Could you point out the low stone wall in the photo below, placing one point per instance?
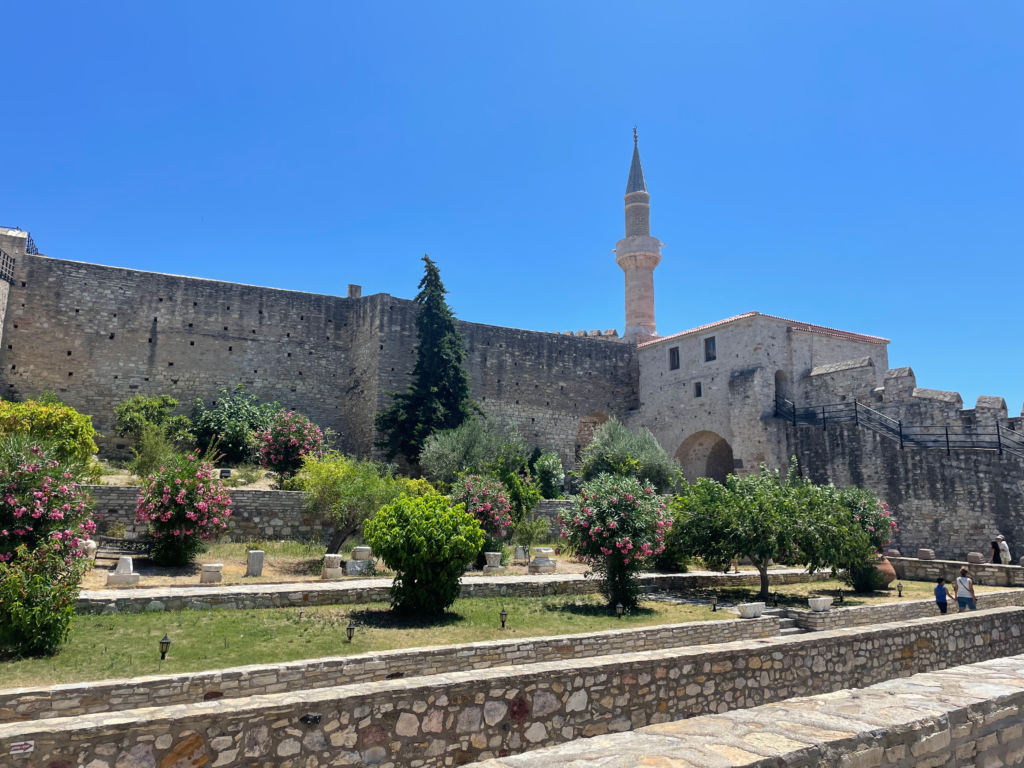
(971, 716)
(879, 614)
(459, 717)
(990, 575)
(255, 514)
(116, 695)
(305, 594)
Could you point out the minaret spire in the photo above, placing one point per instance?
(638, 253)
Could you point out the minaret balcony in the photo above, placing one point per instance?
(638, 251)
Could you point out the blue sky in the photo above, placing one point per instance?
(858, 165)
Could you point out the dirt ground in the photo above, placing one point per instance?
(124, 477)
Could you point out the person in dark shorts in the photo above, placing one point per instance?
(941, 593)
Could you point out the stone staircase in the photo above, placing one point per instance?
(786, 626)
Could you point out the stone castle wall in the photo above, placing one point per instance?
(953, 504)
(459, 717)
(98, 335)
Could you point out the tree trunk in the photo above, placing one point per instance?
(341, 535)
(762, 568)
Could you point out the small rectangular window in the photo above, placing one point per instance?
(673, 359)
(698, 389)
(709, 350)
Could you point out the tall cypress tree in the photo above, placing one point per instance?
(439, 395)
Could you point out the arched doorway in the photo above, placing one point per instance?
(705, 454)
(585, 431)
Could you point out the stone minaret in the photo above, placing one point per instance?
(638, 253)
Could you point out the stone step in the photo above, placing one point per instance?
(792, 631)
(786, 623)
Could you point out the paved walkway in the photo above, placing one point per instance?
(300, 594)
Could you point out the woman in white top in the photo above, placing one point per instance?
(965, 591)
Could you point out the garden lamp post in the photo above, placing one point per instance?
(503, 616)
(165, 646)
(714, 603)
(618, 610)
(899, 589)
(350, 630)
(775, 599)
(840, 601)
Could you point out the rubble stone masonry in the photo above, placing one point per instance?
(459, 717)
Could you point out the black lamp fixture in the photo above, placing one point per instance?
(619, 609)
(503, 616)
(840, 601)
(775, 599)
(350, 630)
(899, 589)
(165, 646)
(714, 602)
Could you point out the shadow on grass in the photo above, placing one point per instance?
(388, 619)
(594, 610)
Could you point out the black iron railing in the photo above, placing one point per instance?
(925, 436)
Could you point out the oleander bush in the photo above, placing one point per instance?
(286, 443)
(485, 499)
(427, 543)
(184, 505)
(617, 525)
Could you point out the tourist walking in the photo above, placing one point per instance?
(1004, 550)
(965, 591)
(941, 593)
(993, 555)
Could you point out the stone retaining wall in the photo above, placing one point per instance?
(115, 695)
(990, 575)
(879, 614)
(455, 718)
(305, 594)
(255, 514)
(972, 716)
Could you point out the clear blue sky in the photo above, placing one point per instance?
(859, 165)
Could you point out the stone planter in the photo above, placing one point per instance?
(361, 553)
(819, 604)
(750, 610)
(926, 554)
(888, 572)
(543, 560)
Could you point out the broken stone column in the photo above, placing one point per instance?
(212, 573)
(89, 549)
(254, 563)
(493, 562)
(124, 574)
(361, 553)
(332, 568)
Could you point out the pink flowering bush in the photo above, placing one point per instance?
(44, 524)
(42, 505)
(485, 499)
(184, 505)
(617, 526)
(290, 438)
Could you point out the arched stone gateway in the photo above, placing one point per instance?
(782, 385)
(585, 431)
(705, 454)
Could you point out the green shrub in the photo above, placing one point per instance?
(151, 451)
(863, 578)
(136, 412)
(347, 491)
(550, 476)
(37, 601)
(232, 424)
(532, 531)
(69, 433)
(469, 448)
(428, 544)
(617, 451)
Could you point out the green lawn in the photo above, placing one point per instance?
(125, 645)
